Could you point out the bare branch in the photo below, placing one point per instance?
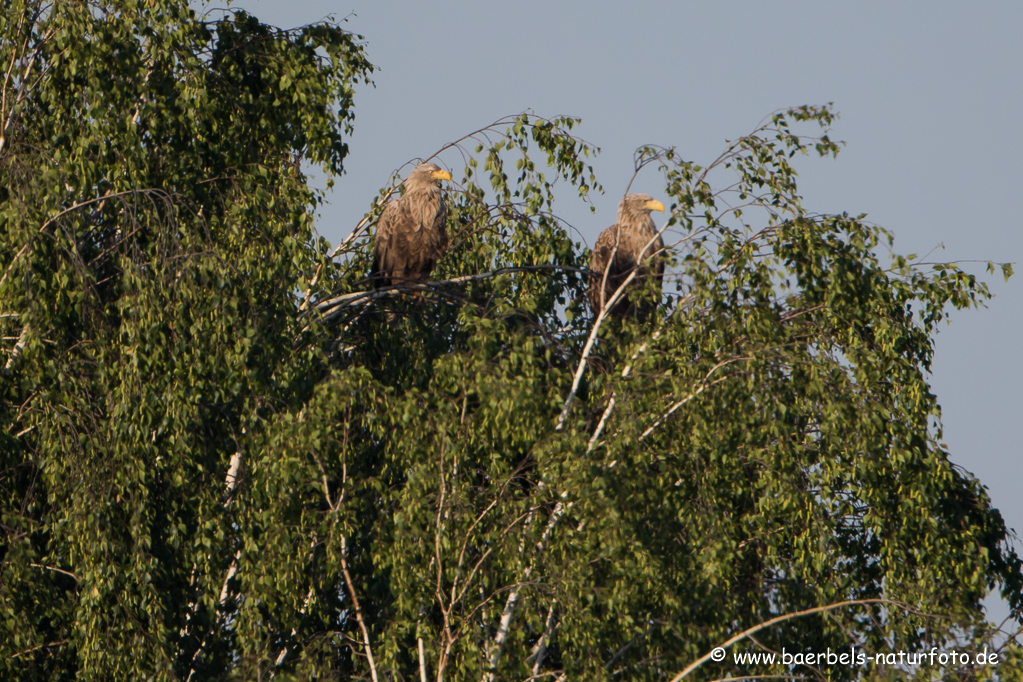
(55, 570)
(781, 619)
(704, 385)
(422, 662)
(513, 596)
(358, 610)
(17, 350)
(540, 650)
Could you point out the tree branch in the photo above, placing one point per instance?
(55, 570)
(16, 351)
(231, 483)
(352, 236)
(540, 650)
(509, 607)
(358, 610)
(704, 385)
(330, 307)
(781, 619)
(24, 86)
(611, 402)
(422, 662)
(41, 646)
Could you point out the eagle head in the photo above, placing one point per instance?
(637, 205)
(426, 175)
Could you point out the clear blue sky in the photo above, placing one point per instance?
(931, 103)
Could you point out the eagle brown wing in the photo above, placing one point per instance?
(411, 238)
(601, 261)
(387, 252)
(435, 236)
(618, 268)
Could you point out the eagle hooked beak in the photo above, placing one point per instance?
(441, 175)
(654, 205)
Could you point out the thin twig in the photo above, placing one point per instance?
(41, 646)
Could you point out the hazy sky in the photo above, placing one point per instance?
(931, 103)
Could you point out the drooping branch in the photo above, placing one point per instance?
(71, 209)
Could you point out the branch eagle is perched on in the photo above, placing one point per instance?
(411, 234)
(630, 243)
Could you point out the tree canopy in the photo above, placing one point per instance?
(225, 455)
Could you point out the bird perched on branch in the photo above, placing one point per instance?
(411, 234)
(629, 244)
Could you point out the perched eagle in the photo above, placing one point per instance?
(411, 234)
(630, 243)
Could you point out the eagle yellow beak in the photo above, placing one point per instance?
(441, 175)
(654, 205)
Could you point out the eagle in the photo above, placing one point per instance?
(411, 233)
(630, 243)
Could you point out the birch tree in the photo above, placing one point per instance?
(225, 455)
